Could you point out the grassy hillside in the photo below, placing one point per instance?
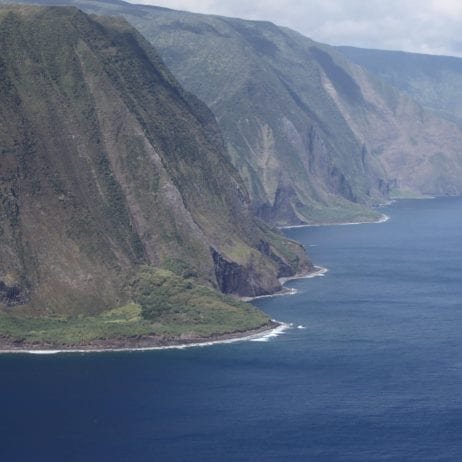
(167, 309)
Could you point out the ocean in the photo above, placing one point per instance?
(371, 369)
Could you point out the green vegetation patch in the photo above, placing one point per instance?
(341, 212)
(168, 306)
(73, 331)
(181, 304)
(407, 194)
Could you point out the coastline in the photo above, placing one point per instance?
(153, 343)
(383, 219)
(272, 329)
(318, 271)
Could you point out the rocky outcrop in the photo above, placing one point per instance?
(233, 278)
(11, 295)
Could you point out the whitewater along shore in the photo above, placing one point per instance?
(383, 219)
(318, 271)
(152, 342)
(146, 343)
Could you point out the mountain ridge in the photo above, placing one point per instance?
(107, 165)
(316, 138)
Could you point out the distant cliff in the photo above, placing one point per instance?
(433, 81)
(312, 133)
(315, 137)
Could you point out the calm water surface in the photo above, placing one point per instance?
(375, 376)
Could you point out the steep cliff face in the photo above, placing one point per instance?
(106, 164)
(300, 158)
(311, 132)
(315, 137)
(420, 152)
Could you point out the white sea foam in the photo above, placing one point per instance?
(41, 352)
(272, 334)
(319, 272)
(285, 291)
(258, 337)
(383, 218)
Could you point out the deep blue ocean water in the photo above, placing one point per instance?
(375, 376)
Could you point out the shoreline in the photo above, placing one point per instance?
(318, 271)
(272, 329)
(151, 343)
(383, 219)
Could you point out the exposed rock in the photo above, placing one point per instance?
(11, 295)
(233, 278)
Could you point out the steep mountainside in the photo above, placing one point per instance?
(297, 154)
(433, 81)
(307, 119)
(313, 135)
(108, 168)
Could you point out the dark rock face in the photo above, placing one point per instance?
(11, 295)
(339, 184)
(233, 278)
(285, 270)
(283, 208)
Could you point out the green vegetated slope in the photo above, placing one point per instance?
(433, 81)
(107, 165)
(315, 137)
(166, 309)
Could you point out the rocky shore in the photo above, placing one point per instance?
(141, 343)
